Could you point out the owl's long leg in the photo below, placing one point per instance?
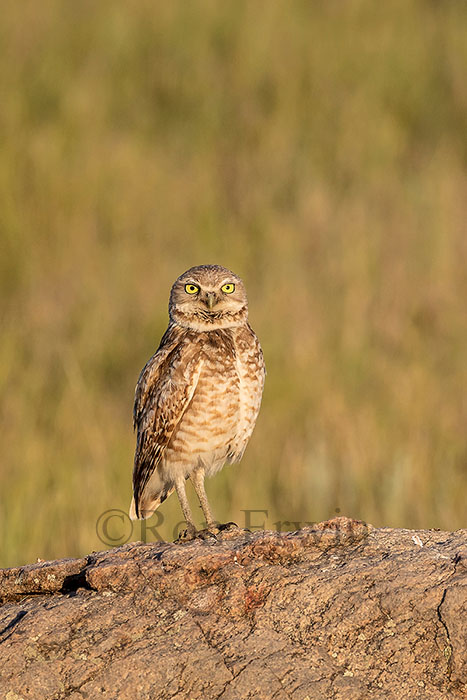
(197, 477)
(181, 493)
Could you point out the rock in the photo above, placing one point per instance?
(336, 610)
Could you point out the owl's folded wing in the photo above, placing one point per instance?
(163, 393)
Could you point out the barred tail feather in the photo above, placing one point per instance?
(148, 504)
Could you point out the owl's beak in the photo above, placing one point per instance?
(210, 300)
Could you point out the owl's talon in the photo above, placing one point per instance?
(191, 534)
(207, 533)
(187, 535)
(228, 526)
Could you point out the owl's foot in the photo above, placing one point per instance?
(226, 527)
(188, 534)
(191, 533)
(208, 533)
(215, 529)
(227, 531)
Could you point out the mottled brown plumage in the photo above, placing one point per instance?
(198, 397)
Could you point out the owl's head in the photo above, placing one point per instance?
(208, 297)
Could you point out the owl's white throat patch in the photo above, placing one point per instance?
(201, 320)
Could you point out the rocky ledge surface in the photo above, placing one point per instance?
(336, 610)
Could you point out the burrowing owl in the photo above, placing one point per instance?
(198, 397)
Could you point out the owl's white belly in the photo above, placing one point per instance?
(220, 418)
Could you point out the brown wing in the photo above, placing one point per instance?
(163, 392)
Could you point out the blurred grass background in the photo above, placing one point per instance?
(319, 149)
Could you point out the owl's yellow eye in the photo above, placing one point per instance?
(191, 288)
(228, 288)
